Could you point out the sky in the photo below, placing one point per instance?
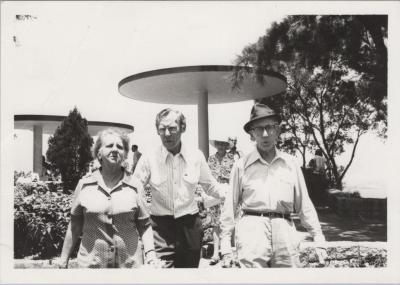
(75, 53)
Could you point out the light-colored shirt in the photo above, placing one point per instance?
(320, 163)
(259, 186)
(111, 220)
(173, 180)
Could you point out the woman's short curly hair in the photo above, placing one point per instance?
(100, 137)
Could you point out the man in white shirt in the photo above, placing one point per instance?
(136, 156)
(268, 186)
(173, 171)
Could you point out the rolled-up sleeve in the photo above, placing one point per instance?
(142, 215)
(229, 209)
(208, 182)
(142, 171)
(305, 208)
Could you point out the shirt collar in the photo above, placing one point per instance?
(95, 177)
(183, 152)
(255, 155)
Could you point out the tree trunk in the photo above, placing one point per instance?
(337, 178)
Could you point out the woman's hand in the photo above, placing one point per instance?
(155, 263)
(61, 263)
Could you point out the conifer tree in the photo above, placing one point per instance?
(69, 151)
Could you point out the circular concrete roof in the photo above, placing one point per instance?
(50, 124)
(181, 85)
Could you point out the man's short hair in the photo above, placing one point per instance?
(134, 147)
(181, 120)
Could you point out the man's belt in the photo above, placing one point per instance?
(269, 214)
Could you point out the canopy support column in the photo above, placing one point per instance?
(37, 149)
(202, 112)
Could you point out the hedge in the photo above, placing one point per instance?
(41, 217)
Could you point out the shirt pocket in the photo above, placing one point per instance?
(285, 189)
(190, 176)
(158, 180)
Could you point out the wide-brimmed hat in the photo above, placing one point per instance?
(260, 111)
(222, 140)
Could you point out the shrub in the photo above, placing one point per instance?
(41, 218)
(69, 151)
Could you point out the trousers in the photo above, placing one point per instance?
(178, 241)
(267, 242)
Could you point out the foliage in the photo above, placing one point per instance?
(69, 149)
(353, 256)
(41, 218)
(18, 174)
(336, 90)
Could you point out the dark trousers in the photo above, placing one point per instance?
(178, 241)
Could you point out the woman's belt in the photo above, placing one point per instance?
(269, 214)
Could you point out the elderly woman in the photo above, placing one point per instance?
(108, 213)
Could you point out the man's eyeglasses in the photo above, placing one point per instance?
(270, 129)
(171, 130)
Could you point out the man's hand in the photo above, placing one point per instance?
(322, 255)
(227, 261)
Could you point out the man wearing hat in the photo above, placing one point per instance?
(269, 186)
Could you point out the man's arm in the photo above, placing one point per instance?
(142, 173)
(208, 182)
(229, 209)
(305, 208)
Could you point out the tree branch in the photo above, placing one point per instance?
(359, 133)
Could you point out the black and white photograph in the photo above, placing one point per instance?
(199, 142)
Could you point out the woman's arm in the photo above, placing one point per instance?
(72, 235)
(146, 234)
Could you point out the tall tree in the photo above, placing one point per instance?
(336, 91)
(69, 149)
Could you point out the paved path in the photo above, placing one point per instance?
(356, 229)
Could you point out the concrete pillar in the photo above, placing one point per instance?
(37, 149)
(202, 112)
